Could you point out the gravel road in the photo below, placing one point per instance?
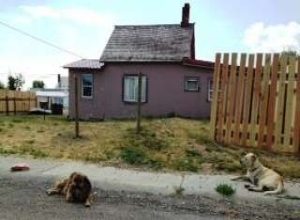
(25, 198)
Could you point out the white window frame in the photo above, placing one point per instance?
(87, 86)
(188, 79)
(133, 99)
(210, 90)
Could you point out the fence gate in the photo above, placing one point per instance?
(256, 101)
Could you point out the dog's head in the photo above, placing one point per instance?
(250, 161)
(78, 179)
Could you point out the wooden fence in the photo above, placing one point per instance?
(16, 101)
(256, 101)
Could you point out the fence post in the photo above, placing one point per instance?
(76, 107)
(15, 106)
(138, 123)
(7, 105)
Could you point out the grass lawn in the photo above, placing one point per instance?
(164, 144)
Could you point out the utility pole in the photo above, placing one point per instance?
(139, 97)
(76, 107)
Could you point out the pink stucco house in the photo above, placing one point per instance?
(173, 82)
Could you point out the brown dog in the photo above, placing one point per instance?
(77, 189)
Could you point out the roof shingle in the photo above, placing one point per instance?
(142, 43)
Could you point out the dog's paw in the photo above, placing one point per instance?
(247, 186)
(48, 192)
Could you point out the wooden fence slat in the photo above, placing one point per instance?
(222, 103)
(296, 138)
(247, 99)
(255, 100)
(231, 98)
(216, 78)
(289, 101)
(264, 100)
(280, 101)
(271, 104)
(239, 98)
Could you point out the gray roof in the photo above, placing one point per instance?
(140, 43)
(85, 64)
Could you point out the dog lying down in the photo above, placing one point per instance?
(76, 189)
(263, 179)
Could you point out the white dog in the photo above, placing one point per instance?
(263, 179)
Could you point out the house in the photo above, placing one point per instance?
(173, 82)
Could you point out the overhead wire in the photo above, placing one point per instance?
(40, 40)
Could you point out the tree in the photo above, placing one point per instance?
(15, 82)
(2, 85)
(38, 84)
(290, 53)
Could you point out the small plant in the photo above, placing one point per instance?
(225, 190)
(179, 191)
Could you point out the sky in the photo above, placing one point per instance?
(83, 28)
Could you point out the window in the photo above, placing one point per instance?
(210, 90)
(191, 84)
(130, 88)
(87, 85)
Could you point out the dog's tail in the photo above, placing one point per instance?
(278, 190)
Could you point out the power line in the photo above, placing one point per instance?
(39, 39)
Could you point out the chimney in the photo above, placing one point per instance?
(58, 81)
(185, 15)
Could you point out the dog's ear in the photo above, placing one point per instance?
(253, 158)
(243, 154)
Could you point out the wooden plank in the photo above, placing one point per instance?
(225, 85)
(231, 97)
(239, 99)
(296, 138)
(280, 102)
(214, 107)
(264, 101)
(255, 99)
(222, 101)
(247, 99)
(271, 103)
(288, 127)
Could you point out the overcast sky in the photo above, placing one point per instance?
(84, 26)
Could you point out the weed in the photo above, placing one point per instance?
(225, 190)
(17, 120)
(27, 128)
(179, 191)
(146, 138)
(193, 152)
(30, 141)
(29, 150)
(134, 156)
(186, 164)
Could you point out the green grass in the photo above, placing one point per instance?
(225, 190)
(164, 144)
